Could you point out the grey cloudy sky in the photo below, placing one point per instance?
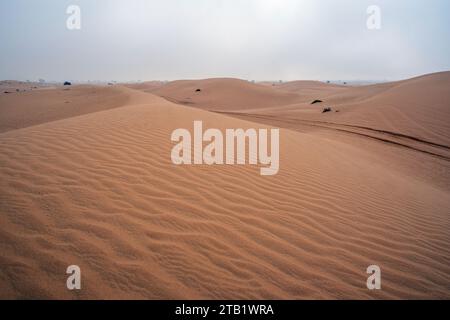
(251, 39)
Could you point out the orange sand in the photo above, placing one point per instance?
(90, 182)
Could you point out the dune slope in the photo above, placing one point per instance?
(410, 114)
(24, 109)
(99, 190)
(223, 94)
(417, 107)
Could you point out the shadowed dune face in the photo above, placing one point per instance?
(99, 190)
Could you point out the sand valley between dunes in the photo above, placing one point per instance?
(86, 178)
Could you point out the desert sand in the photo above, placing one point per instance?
(86, 178)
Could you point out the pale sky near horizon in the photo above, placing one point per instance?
(128, 40)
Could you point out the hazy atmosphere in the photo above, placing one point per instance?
(251, 39)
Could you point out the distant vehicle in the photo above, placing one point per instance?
(67, 83)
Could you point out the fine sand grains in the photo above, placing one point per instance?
(99, 190)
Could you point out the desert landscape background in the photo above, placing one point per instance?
(86, 178)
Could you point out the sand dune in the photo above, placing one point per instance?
(24, 109)
(417, 107)
(309, 90)
(223, 94)
(411, 113)
(147, 86)
(97, 188)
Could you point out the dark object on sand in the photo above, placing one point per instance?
(198, 90)
(17, 90)
(316, 101)
(6, 92)
(67, 83)
(328, 109)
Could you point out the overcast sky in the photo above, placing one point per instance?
(250, 39)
